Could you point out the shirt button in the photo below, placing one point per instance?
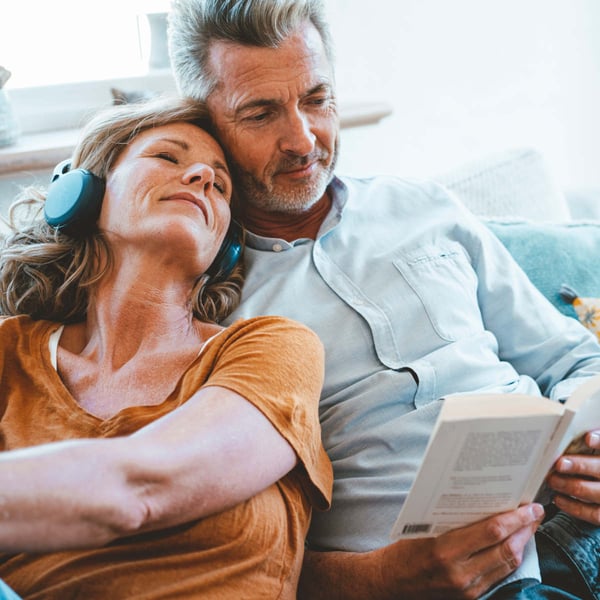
(277, 247)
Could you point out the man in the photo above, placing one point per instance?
(413, 299)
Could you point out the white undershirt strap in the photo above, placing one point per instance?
(53, 344)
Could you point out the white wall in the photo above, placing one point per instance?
(470, 77)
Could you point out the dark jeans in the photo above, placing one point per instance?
(569, 553)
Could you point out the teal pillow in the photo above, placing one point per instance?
(554, 254)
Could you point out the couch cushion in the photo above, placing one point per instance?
(512, 183)
(584, 204)
(555, 254)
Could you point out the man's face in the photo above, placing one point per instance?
(275, 113)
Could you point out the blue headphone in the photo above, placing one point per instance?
(73, 205)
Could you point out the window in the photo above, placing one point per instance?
(65, 55)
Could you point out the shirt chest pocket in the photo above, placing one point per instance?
(445, 285)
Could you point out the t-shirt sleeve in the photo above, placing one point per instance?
(277, 364)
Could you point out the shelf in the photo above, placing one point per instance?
(44, 150)
(358, 114)
(37, 151)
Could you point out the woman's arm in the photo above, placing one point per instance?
(211, 453)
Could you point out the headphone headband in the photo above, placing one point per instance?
(73, 204)
(229, 253)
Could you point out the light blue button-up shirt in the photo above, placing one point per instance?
(413, 299)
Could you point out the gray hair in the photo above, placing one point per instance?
(194, 24)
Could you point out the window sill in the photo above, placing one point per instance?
(37, 151)
(44, 150)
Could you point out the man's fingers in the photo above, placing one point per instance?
(578, 476)
(494, 530)
(593, 439)
(587, 490)
(578, 464)
(496, 562)
(576, 480)
(463, 563)
(586, 511)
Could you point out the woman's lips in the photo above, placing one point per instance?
(187, 197)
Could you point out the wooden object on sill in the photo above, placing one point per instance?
(44, 150)
(9, 128)
(358, 114)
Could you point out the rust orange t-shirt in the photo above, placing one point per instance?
(253, 550)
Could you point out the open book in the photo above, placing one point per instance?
(490, 453)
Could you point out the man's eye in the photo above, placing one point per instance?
(259, 117)
(166, 156)
(319, 101)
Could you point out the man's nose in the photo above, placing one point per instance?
(297, 136)
(200, 173)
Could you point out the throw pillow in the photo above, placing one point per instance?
(513, 183)
(555, 254)
(587, 309)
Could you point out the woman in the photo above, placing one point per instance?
(149, 452)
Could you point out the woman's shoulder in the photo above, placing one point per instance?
(272, 340)
(274, 325)
(21, 333)
(22, 322)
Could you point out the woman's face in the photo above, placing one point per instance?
(168, 195)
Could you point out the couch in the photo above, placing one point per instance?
(554, 236)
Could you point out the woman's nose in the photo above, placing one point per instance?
(200, 173)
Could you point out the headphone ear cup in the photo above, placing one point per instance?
(73, 202)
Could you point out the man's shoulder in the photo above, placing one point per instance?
(394, 189)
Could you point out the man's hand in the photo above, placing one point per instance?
(461, 564)
(576, 481)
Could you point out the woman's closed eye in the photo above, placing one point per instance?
(223, 187)
(220, 187)
(167, 156)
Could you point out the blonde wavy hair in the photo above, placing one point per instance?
(48, 275)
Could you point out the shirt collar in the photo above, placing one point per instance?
(339, 196)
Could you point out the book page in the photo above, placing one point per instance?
(584, 409)
(477, 466)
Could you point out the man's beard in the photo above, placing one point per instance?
(271, 197)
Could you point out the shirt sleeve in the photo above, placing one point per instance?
(277, 365)
(532, 334)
